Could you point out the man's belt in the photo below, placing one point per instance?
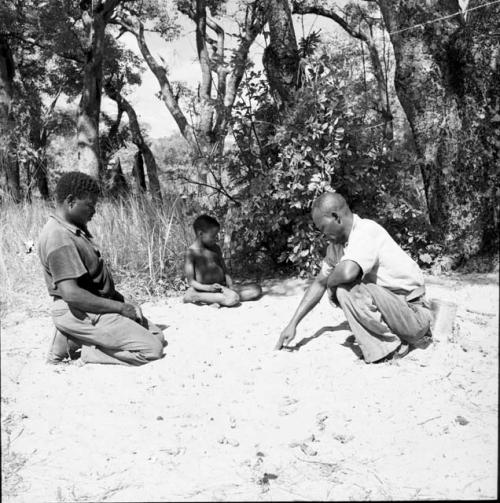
(415, 294)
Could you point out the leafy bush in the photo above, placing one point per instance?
(279, 169)
(285, 159)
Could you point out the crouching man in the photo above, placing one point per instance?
(378, 286)
(87, 310)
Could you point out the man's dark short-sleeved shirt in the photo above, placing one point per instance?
(67, 252)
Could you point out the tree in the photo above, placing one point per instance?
(281, 57)
(117, 184)
(138, 172)
(74, 32)
(60, 48)
(447, 75)
(95, 15)
(205, 138)
(361, 22)
(10, 168)
(113, 90)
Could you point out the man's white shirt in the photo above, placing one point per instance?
(381, 259)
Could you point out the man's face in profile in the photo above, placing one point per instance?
(82, 209)
(329, 225)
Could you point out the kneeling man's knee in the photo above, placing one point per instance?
(154, 349)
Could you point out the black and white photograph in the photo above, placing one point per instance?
(249, 250)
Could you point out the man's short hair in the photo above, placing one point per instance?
(80, 185)
(204, 223)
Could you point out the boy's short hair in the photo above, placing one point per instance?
(76, 183)
(204, 223)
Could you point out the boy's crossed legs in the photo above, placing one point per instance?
(227, 297)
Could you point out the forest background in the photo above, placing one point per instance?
(248, 109)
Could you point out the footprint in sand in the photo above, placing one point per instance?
(321, 417)
(305, 447)
(287, 406)
(343, 439)
(175, 451)
(228, 441)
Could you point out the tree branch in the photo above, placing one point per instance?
(62, 54)
(255, 20)
(220, 190)
(329, 9)
(326, 8)
(108, 7)
(135, 26)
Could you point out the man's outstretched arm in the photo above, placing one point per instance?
(312, 296)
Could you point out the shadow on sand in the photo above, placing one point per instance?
(306, 340)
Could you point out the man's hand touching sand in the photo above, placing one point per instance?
(286, 337)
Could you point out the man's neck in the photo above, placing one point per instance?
(63, 215)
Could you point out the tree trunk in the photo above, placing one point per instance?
(383, 103)
(89, 109)
(138, 172)
(135, 27)
(447, 75)
(147, 154)
(38, 137)
(138, 139)
(40, 174)
(12, 177)
(205, 89)
(117, 186)
(111, 142)
(95, 16)
(8, 163)
(281, 57)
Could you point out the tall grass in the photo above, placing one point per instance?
(141, 242)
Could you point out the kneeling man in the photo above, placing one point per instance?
(377, 285)
(87, 310)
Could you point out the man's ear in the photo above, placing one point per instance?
(70, 200)
(336, 217)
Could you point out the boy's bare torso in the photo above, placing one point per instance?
(208, 265)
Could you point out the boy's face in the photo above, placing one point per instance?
(209, 237)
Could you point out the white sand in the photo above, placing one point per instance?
(224, 417)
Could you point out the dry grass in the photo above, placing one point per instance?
(142, 243)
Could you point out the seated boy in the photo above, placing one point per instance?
(206, 272)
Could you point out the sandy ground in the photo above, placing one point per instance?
(224, 417)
